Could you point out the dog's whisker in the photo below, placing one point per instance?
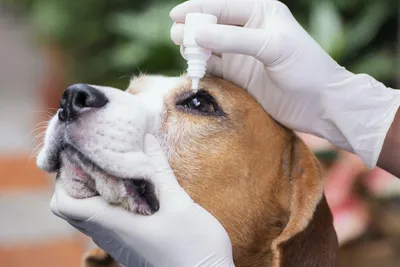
(35, 151)
(46, 112)
(37, 128)
(38, 145)
(39, 137)
(43, 123)
(40, 126)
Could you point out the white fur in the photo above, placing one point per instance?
(112, 138)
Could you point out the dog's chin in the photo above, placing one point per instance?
(82, 179)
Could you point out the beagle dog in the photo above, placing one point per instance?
(254, 175)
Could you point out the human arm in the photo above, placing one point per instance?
(389, 159)
(292, 77)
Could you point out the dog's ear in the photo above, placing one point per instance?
(98, 258)
(309, 238)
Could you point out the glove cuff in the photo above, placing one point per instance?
(358, 113)
(370, 157)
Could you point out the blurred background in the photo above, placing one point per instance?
(46, 45)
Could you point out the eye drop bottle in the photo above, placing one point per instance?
(195, 56)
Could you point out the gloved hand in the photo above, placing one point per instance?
(291, 76)
(181, 233)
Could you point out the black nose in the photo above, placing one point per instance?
(78, 98)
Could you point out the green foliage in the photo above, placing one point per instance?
(357, 38)
(106, 40)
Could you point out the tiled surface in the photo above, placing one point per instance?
(30, 235)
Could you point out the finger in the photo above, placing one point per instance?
(54, 209)
(214, 66)
(103, 225)
(172, 196)
(164, 177)
(182, 50)
(233, 12)
(85, 229)
(232, 39)
(217, 54)
(156, 155)
(177, 33)
(117, 251)
(77, 209)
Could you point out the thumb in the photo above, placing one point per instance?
(72, 209)
(232, 39)
(172, 196)
(164, 176)
(155, 153)
(54, 207)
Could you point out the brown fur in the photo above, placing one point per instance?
(255, 176)
(99, 258)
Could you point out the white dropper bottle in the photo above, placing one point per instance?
(195, 56)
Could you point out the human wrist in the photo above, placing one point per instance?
(389, 157)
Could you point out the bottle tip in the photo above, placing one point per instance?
(195, 84)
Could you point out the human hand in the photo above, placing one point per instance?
(181, 233)
(292, 77)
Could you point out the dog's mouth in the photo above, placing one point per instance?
(139, 190)
(75, 161)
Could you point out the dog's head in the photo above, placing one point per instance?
(255, 176)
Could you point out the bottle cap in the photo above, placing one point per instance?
(195, 55)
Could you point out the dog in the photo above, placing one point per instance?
(254, 175)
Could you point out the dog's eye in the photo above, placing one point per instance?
(200, 103)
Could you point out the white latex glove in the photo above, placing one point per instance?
(181, 233)
(291, 76)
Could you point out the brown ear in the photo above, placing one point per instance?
(309, 238)
(98, 258)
